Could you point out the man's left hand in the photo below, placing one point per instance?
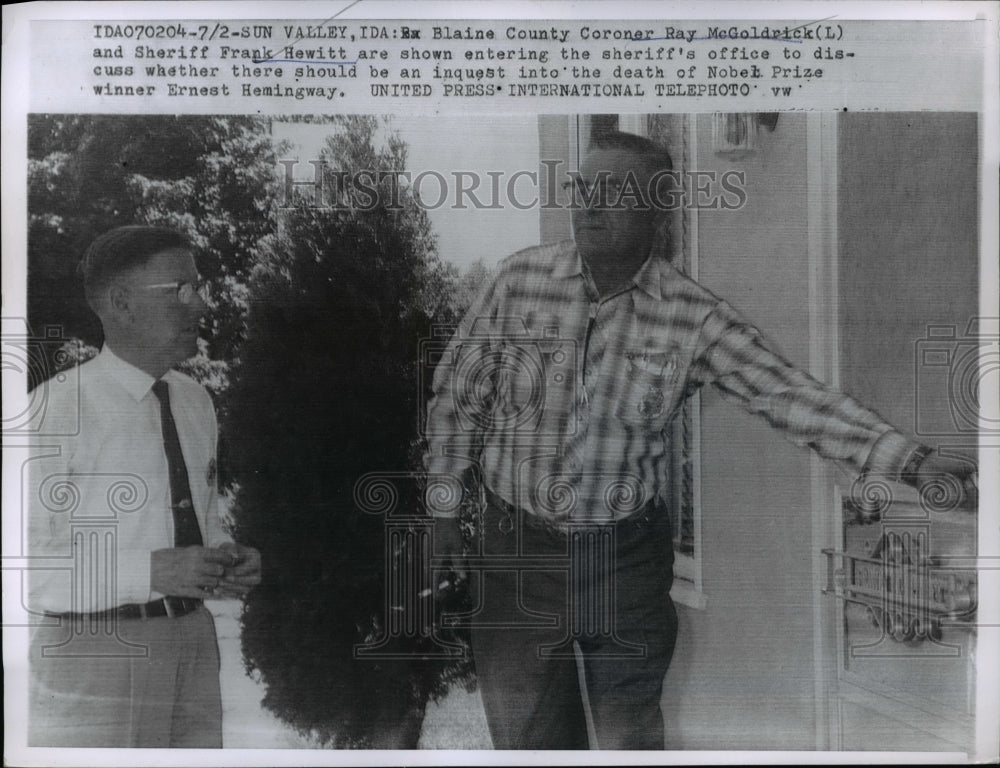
(242, 572)
(948, 483)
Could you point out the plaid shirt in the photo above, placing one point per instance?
(564, 398)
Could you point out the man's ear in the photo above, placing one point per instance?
(119, 302)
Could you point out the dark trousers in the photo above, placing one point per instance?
(532, 613)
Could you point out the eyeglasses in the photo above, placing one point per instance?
(186, 291)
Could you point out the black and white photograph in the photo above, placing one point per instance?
(419, 389)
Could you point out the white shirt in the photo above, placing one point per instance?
(99, 489)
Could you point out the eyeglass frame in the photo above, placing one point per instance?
(197, 288)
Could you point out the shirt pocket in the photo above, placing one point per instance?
(650, 390)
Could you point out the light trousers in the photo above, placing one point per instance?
(125, 683)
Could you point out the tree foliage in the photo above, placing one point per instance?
(327, 392)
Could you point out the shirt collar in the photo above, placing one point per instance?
(135, 381)
(647, 278)
(569, 263)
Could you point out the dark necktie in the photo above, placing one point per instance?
(186, 530)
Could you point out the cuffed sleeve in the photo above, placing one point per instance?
(893, 454)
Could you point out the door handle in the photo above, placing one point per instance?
(910, 601)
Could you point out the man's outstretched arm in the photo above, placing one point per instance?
(733, 355)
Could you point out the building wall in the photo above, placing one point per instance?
(907, 226)
(909, 219)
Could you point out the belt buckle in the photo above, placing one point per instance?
(168, 607)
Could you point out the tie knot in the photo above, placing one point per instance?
(161, 390)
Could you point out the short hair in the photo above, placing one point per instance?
(121, 249)
(658, 157)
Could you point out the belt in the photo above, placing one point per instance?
(174, 607)
(641, 522)
(511, 515)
